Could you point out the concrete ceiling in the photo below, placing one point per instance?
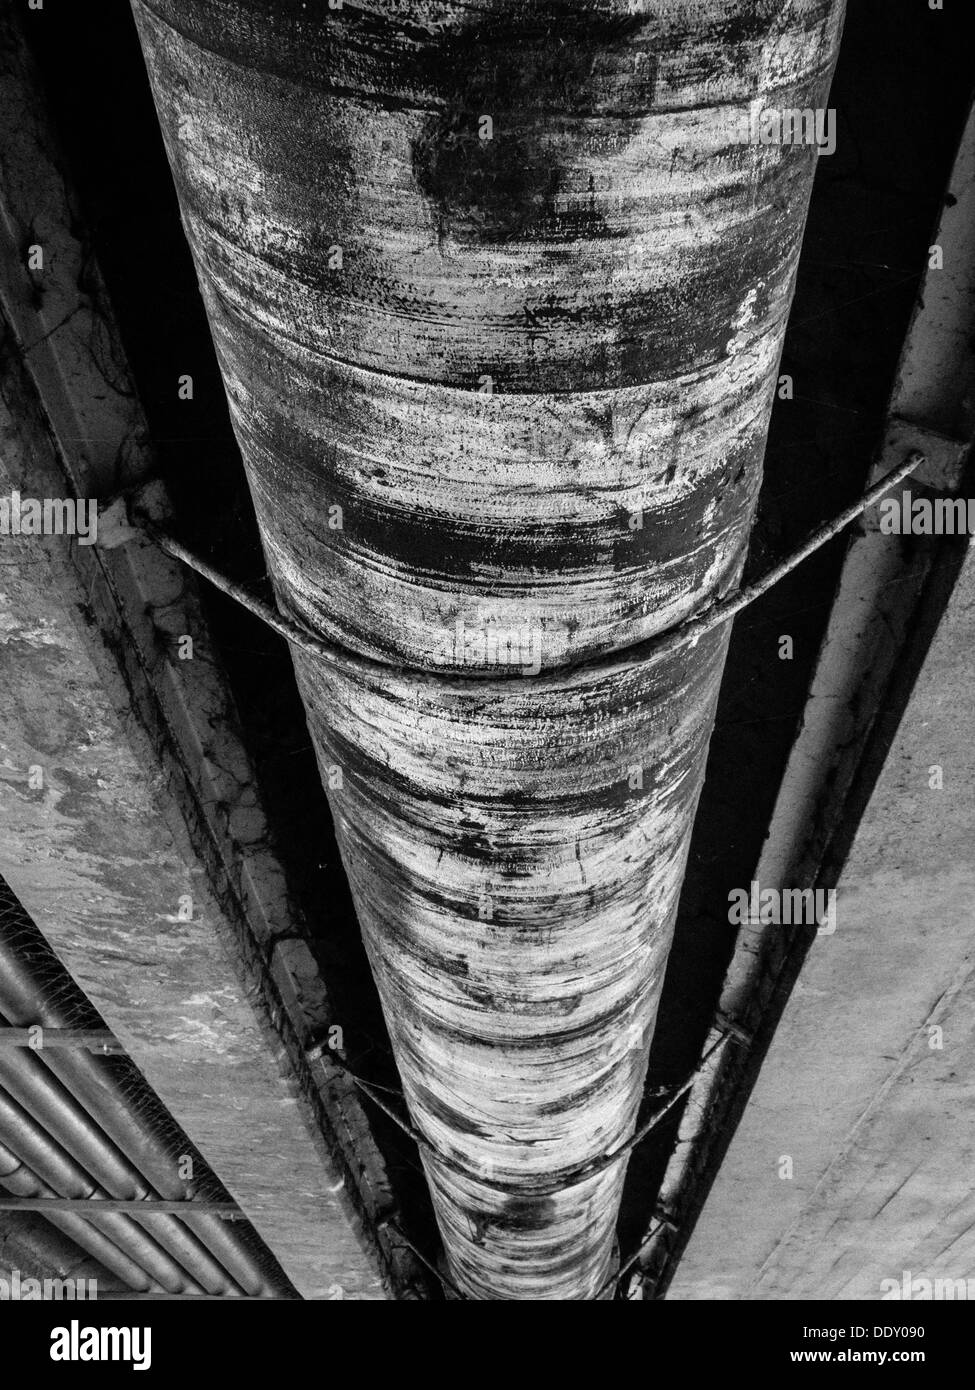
(852, 1088)
(867, 1086)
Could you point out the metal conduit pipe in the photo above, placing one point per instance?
(25, 1079)
(498, 290)
(28, 1240)
(19, 1181)
(29, 995)
(45, 1101)
(58, 1171)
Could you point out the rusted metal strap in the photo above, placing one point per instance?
(660, 645)
(445, 1283)
(659, 1219)
(729, 1032)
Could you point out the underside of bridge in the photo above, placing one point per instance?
(515, 926)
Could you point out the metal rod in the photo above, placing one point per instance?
(614, 1280)
(691, 630)
(579, 1175)
(729, 607)
(37, 1038)
(107, 1241)
(168, 1252)
(141, 1206)
(123, 1296)
(445, 1283)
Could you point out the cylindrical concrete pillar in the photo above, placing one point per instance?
(498, 290)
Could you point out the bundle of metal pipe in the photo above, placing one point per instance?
(37, 1249)
(18, 1179)
(498, 290)
(159, 1255)
(67, 1117)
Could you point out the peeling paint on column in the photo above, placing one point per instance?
(528, 366)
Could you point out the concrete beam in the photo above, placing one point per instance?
(130, 821)
(867, 1090)
(891, 596)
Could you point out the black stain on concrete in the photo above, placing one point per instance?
(525, 73)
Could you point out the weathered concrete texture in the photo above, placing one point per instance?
(147, 792)
(891, 594)
(382, 280)
(498, 296)
(867, 1086)
(93, 851)
(515, 859)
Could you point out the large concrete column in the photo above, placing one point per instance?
(498, 292)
